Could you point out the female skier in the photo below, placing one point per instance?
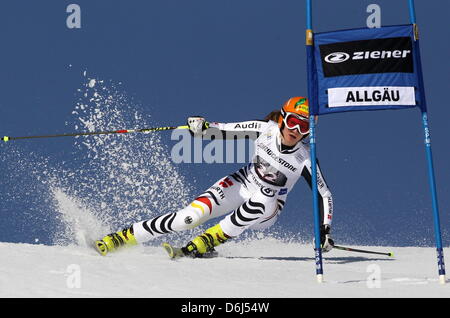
(255, 194)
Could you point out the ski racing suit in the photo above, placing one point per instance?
(253, 196)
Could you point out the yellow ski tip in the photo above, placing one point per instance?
(101, 247)
(173, 252)
(169, 249)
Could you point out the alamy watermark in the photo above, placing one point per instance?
(73, 273)
(374, 19)
(214, 147)
(374, 279)
(73, 20)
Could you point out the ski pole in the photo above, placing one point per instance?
(349, 249)
(122, 131)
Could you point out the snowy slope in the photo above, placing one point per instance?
(261, 268)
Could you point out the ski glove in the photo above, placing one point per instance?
(197, 125)
(326, 242)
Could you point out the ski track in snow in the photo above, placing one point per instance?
(261, 269)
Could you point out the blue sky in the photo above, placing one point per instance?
(229, 61)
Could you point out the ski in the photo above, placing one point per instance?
(177, 252)
(173, 252)
(100, 247)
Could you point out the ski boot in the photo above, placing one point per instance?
(113, 241)
(203, 245)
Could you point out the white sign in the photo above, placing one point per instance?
(371, 96)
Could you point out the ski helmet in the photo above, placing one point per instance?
(296, 111)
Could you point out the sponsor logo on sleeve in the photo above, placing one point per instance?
(248, 125)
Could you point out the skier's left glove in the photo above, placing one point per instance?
(197, 125)
(326, 242)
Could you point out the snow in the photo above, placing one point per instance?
(266, 268)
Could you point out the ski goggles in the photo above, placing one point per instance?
(294, 121)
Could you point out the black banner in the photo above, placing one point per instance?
(387, 55)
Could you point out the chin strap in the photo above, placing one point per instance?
(286, 149)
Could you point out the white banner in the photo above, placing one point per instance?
(371, 96)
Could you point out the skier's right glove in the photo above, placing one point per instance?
(197, 125)
(326, 242)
